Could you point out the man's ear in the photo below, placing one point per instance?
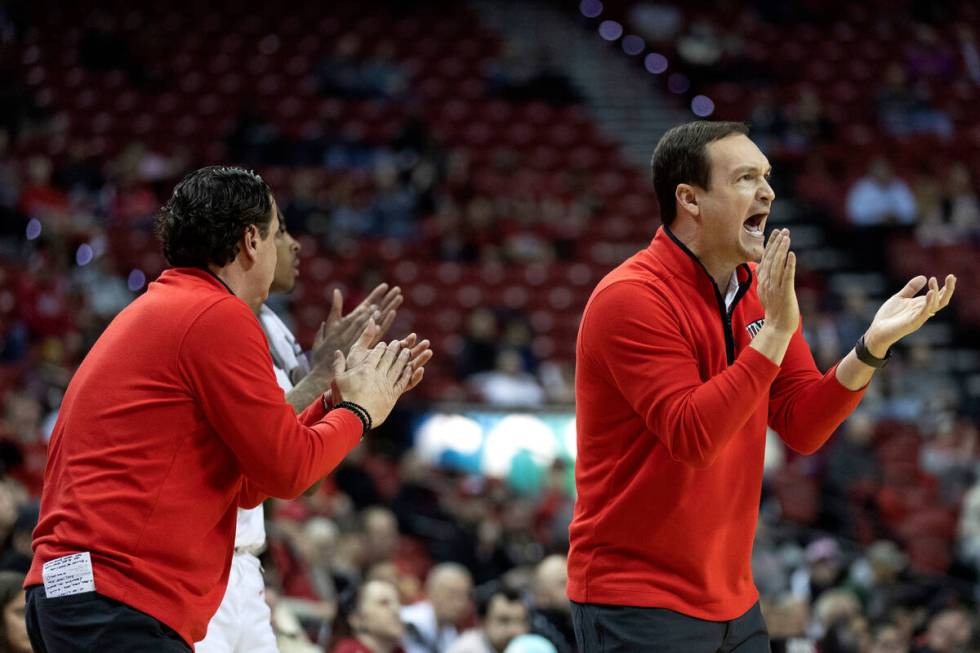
(687, 199)
(250, 241)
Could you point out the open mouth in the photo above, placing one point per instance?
(754, 223)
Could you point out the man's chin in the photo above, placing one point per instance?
(753, 253)
(282, 287)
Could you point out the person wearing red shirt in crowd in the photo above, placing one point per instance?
(686, 353)
(375, 623)
(173, 421)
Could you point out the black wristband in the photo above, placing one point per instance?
(868, 358)
(361, 413)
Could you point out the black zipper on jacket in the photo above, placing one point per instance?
(724, 313)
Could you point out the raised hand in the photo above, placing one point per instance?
(777, 283)
(906, 311)
(340, 332)
(377, 381)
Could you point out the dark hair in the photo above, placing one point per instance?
(11, 584)
(681, 157)
(485, 598)
(349, 603)
(207, 214)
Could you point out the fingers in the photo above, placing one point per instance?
(913, 287)
(375, 296)
(409, 341)
(947, 292)
(400, 370)
(376, 355)
(415, 378)
(789, 272)
(367, 339)
(421, 354)
(389, 317)
(321, 335)
(929, 305)
(356, 320)
(391, 300)
(339, 363)
(336, 307)
(774, 257)
(778, 262)
(390, 355)
(767, 253)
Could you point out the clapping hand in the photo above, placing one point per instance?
(340, 332)
(375, 378)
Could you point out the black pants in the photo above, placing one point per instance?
(92, 623)
(625, 629)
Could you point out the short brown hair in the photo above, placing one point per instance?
(681, 157)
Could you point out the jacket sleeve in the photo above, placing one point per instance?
(225, 361)
(805, 406)
(640, 340)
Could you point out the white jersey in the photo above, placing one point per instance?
(287, 356)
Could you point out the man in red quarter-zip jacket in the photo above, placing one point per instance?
(686, 352)
(172, 422)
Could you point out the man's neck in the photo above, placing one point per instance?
(719, 269)
(234, 278)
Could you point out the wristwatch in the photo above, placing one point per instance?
(868, 358)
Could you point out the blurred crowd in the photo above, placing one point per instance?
(872, 546)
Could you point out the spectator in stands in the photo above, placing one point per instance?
(968, 51)
(824, 570)
(928, 57)
(13, 632)
(526, 73)
(393, 210)
(834, 606)
(953, 214)
(38, 196)
(432, 624)
(769, 122)
(851, 475)
(787, 617)
(886, 638)
(349, 73)
(968, 530)
(551, 616)
(329, 581)
(380, 533)
(880, 198)
(479, 352)
(808, 125)
(879, 579)
(906, 110)
(949, 631)
(503, 616)
(374, 621)
(508, 383)
(846, 635)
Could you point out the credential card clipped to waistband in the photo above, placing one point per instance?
(71, 574)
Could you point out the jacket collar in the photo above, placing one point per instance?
(205, 276)
(682, 263)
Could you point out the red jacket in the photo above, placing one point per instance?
(672, 406)
(172, 409)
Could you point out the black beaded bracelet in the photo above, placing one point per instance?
(361, 413)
